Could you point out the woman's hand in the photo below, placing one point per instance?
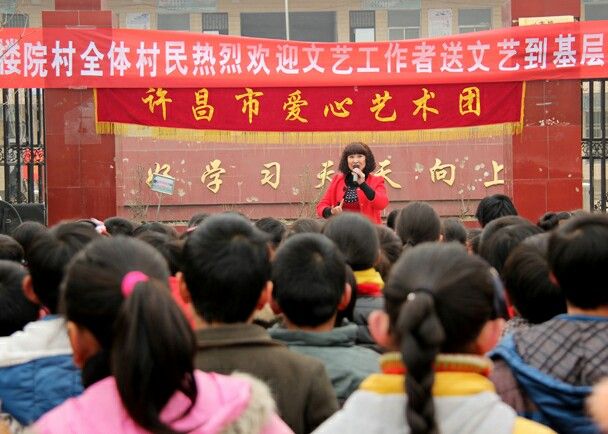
(360, 175)
(338, 208)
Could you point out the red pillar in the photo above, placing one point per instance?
(81, 177)
(547, 166)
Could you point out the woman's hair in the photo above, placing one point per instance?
(418, 222)
(26, 233)
(357, 148)
(149, 342)
(356, 237)
(390, 250)
(438, 298)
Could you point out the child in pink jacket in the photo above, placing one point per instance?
(136, 352)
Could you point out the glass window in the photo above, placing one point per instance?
(403, 24)
(215, 23)
(362, 26)
(303, 26)
(596, 11)
(173, 22)
(474, 20)
(14, 20)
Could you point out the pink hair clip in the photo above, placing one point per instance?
(129, 281)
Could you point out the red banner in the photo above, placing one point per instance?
(306, 109)
(125, 58)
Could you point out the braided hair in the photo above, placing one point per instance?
(438, 299)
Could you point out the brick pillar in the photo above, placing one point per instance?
(546, 157)
(81, 178)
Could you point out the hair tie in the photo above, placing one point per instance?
(412, 295)
(131, 279)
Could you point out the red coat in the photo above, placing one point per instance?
(369, 208)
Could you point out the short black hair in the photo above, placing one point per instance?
(119, 226)
(274, 228)
(197, 219)
(473, 239)
(391, 219)
(226, 265)
(390, 250)
(578, 254)
(492, 207)
(308, 273)
(25, 233)
(15, 309)
(156, 227)
(357, 148)
(170, 248)
(496, 249)
(10, 249)
(499, 223)
(356, 237)
(305, 225)
(526, 276)
(452, 229)
(49, 255)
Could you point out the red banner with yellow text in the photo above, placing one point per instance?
(127, 58)
(446, 109)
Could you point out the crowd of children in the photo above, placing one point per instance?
(419, 325)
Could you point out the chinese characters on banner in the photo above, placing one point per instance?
(270, 174)
(362, 108)
(95, 58)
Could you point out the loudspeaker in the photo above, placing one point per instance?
(32, 212)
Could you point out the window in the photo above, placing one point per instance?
(474, 20)
(362, 26)
(596, 10)
(303, 26)
(403, 24)
(14, 20)
(173, 22)
(215, 23)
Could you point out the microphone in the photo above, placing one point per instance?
(355, 176)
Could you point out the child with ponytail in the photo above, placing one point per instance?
(440, 318)
(136, 351)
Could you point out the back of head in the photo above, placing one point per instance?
(116, 289)
(493, 207)
(308, 273)
(473, 239)
(226, 266)
(499, 223)
(25, 233)
(390, 250)
(274, 228)
(119, 226)
(424, 301)
(526, 276)
(551, 220)
(417, 223)
(10, 249)
(356, 237)
(15, 309)
(170, 248)
(305, 225)
(496, 249)
(391, 219)
(578, 254)
(197, 219)
(452, 229)
(49, 254)
(156, 227)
